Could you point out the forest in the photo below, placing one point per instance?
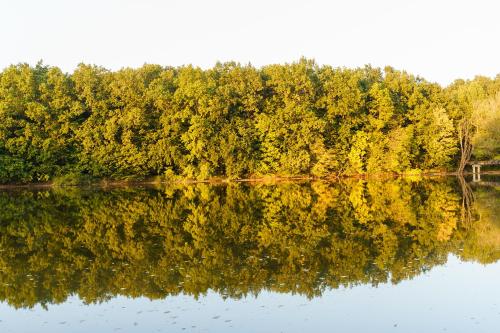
(235, 239)
(236, 121)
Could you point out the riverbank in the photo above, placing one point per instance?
(221, 180)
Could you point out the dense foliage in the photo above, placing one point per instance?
(234, 239)
(234, 121)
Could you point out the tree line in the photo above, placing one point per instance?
(237, 121)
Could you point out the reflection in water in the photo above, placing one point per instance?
(236, 239)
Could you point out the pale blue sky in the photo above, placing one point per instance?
(439, 40)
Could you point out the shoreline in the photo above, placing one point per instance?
(103, 183)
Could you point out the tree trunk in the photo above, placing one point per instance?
(465, 139)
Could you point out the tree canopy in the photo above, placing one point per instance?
(235, 121)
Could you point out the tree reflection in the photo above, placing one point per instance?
(235, 239)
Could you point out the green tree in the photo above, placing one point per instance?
(486, 120)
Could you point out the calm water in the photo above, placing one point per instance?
(407, 255)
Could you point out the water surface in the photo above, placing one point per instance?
(404, 255)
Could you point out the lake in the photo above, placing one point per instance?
(399, 255)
